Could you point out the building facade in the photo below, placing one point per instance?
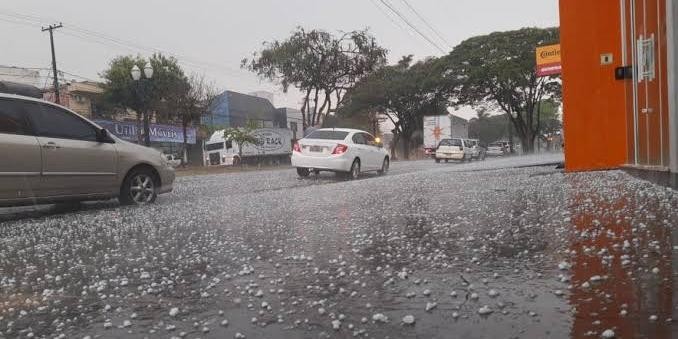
(620, 96)
(81, 97)
(233, 109)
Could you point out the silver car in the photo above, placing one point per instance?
(51, 154)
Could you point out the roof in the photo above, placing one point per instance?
(349, 130)
(255, 106)
(20, 89)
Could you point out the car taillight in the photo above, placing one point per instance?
(340, 149)
(297, 148)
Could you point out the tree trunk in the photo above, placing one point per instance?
(394, 145)
(185, 157)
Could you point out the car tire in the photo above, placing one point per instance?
(354, 173)
(139, 187)
(384, 167)
(236, 161)
(437, 161)
(447, 160)
(303, 172)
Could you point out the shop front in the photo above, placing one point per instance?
(619, 84)
(167, 138)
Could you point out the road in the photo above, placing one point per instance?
(494, 249)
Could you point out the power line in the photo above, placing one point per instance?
(404, 19)
(426, 22)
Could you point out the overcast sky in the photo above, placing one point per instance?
(212, 36)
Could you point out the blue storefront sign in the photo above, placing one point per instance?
(159, 133)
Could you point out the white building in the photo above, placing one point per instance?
(21, 75)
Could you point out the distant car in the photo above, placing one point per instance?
(477, 151)
(341, 150)
(454, 149)
(51, 154)
(429, 151)
(496, 149)
(173, 160)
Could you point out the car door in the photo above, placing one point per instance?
(20, 160)
(374, 151)
(362, 151)
(74, 162)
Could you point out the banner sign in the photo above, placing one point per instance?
(129, 131)
(548, 60)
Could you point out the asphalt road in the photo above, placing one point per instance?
(494, 249)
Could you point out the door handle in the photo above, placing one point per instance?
(51, 145)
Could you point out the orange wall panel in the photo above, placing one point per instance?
(594, 103)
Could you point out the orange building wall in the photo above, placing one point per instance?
(594, 103)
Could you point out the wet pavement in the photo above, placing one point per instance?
(482, 250)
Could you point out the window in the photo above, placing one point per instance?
(53, 122)
(450, 142)
(214, 147)
(369, 139)
(13, 118)
(328, 135)
(229, 144)
(359, 138)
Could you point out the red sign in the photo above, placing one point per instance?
(549, 69)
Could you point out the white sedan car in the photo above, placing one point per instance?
(340, 150)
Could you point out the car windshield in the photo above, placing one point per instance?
(450, 142)
(328, 135)
(339, 169)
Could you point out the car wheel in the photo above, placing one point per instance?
(303, 172)
(447, 160)
(384, 167)
(437, 161)
(355, 170)
(139, 188)
(236, 161)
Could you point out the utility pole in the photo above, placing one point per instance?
(51, 28)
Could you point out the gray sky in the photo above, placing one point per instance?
(212, 36)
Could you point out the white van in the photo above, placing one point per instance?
(454, 149)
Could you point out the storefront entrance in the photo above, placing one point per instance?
(644, 46)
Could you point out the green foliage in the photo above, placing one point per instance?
(241, 136)
(405, 92)
(322, 66)
(498, 71)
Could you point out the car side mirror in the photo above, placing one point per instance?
(103, 136)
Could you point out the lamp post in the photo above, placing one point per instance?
(141, 87)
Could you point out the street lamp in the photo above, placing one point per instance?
(140, 87)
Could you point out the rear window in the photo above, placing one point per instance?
(328, 135)
(450, 142)
(496, 145)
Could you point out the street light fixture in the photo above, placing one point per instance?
(140, 92)
(148, 71)
(136, 73)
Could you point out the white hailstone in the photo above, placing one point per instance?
(174, 311)
(264, 304)
(221, 312)
(321, 311)
(608, 334)
(474, 296)
(363, 320)
(558, 292)
(133, 316)
(564, 265)
(595, 278)
(107, 308)
(493, 293)
(87, 337)
(427, 292)
(239, 336)
(350, 326)
(402, 274)
(585, 284)
(342, 316)
(453, 294)
(495, 275)
(205, 329)
(431, 306)
(410, 295)
(170, 328)
(623, 313)
(485, 310)
(145, 275)
(259, 294)
(126, 323)
(379, 317)
(408, 319)
(655, 270)
(336, 325)
(455, 315)
(653, 318)
(108, 324)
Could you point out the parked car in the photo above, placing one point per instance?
(496, 149)
(454, 149)
(477, 150)
(51, 154)
(341, 150)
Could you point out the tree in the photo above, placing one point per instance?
(498, 71)
(241, 136)
(193, 98)
(404, 92)
(148, 96)
(322, 66)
